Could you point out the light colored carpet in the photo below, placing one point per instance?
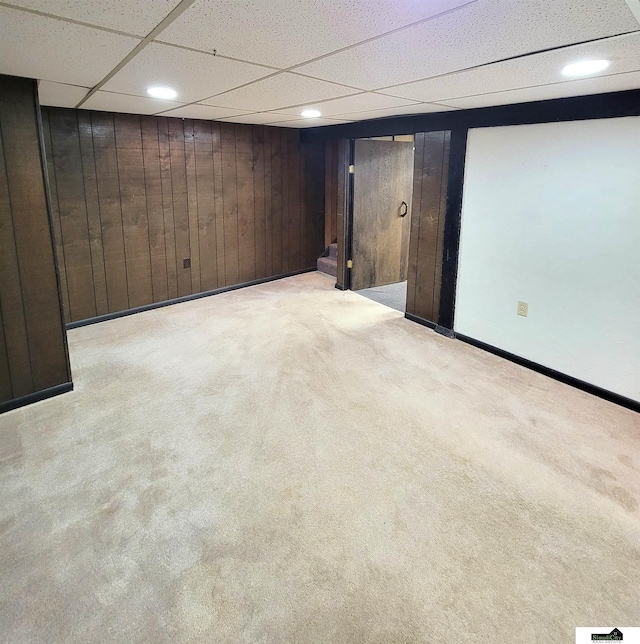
(391, 295)
(292, 463)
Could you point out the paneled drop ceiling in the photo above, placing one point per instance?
(264, 61)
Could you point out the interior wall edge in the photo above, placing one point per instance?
(38, 396)
(611, 396)
(186, 298)
(575, 108)
(153, 208)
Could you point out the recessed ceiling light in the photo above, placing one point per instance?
(162, 92)
(586, 67)
(310, 114)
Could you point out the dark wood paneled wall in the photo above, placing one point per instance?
(331, 193)
(430, 176)
(134, 196)
(342, 190)
(33, 352)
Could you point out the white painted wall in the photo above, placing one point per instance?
(551, 216)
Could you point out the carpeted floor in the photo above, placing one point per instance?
(292, 463)
(391, 295)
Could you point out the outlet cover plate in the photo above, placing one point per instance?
(523, 309)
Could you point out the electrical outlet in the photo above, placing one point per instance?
(523, 309)
(186, 262)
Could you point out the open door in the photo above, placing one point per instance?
(383, 183)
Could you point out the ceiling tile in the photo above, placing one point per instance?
(278, 92)
(357, 103)
(59, 94)
(416, 108)
(131, 16)
(207, 112)
(477, 34)
(195, 76)
(283, 33)
(109, 102)
(261, 118)
(63, 52)
(310, 122)
(539, 69)
(582, 87)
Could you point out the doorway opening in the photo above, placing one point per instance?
(381, 221)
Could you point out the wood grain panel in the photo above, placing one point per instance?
(205, 197)
(342, 171)
(257, 163)
(312, 207)
(242, 202)
(331, 192)
(55, 213)
(134, 210)
(155, 209)
(278, 222)
(11, 298)
(72, 210)
(429, 206)
(104, 145)
(6, 391)
(33, 337)
(268, 204)
(383, 181)
(180, 203)
(167, 207)
(230, 203)
(92, 203)
(246, 212)
(294, 189)
(216, 144)
(192, 204)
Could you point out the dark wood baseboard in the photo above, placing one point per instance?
(419, 320)
(37, 396)
(556, 375)
(186, 298)
(341, 287)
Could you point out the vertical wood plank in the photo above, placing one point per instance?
(104, 145)
(192, 203)
(94, 224)
(294, 187)
(205, 186)
(427, 230)
(235, 199)
(429, 217)
(230, 199)
(155, 208)
(180, 203)
(216, 145)
(6, 390)
(277, 205)
(442, 210)
(13, 315)
(167, 207)
(284, 191)
(257, 164)
(331, 189)
(268, 209)
(55, 213)
(67, 163)
(416, 215)
(32, 234)
(134, 208)
(313, 210)
(341, 209)
(246, 212)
